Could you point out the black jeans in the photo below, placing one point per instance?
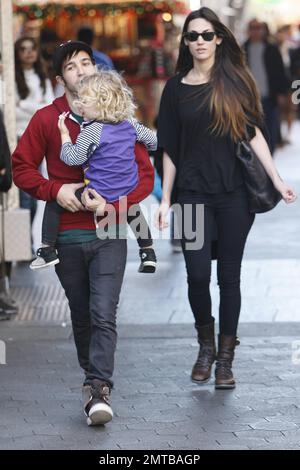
(28, 202)
(53, 210)
(91, 274)
(230, 213)
(272, 121)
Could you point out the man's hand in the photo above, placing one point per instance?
(66, 197)
(93, 201)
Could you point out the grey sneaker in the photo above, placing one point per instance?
(46, 256)
(96, 403)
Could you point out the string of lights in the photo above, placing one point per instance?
(38, 11)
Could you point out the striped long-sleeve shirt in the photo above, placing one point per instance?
(106, 152)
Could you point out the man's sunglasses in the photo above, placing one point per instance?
(192, 36)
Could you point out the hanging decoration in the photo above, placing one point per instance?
(44, 11)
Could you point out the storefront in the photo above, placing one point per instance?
(140, 37)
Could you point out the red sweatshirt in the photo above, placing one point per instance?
(42, 139)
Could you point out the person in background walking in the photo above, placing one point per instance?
(8, 306)
(87, 35)
(287, 107)
(266, 65)
(33, 91)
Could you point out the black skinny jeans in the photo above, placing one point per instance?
(229, 211)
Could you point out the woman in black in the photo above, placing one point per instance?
(209, 105)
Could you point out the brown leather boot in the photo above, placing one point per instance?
(223, 372)
(207, 353)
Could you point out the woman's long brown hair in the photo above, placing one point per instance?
(234, 100)
(38, 67)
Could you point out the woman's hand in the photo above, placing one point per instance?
(93, 201)
(287, 193)
(161, 215)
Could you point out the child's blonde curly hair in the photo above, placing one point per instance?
(109, 93)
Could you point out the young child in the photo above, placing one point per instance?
(105, 148)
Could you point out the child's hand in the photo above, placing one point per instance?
(61, 123)
(93, 201)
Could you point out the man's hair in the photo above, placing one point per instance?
(66, 50)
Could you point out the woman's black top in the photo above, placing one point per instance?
(205, 162)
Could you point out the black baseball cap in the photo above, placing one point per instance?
(67, 49)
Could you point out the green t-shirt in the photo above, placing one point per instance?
(78, 118)
(67, 237)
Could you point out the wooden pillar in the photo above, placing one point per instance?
(8, 83)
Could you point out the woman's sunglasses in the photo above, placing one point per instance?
(27, 49)
(192, 36)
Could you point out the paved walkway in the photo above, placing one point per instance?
(155, 404)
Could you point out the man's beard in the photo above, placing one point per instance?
(73, 91)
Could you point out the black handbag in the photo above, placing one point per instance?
(5, 160)
(262, 195)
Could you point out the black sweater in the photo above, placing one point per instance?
(205, 162)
